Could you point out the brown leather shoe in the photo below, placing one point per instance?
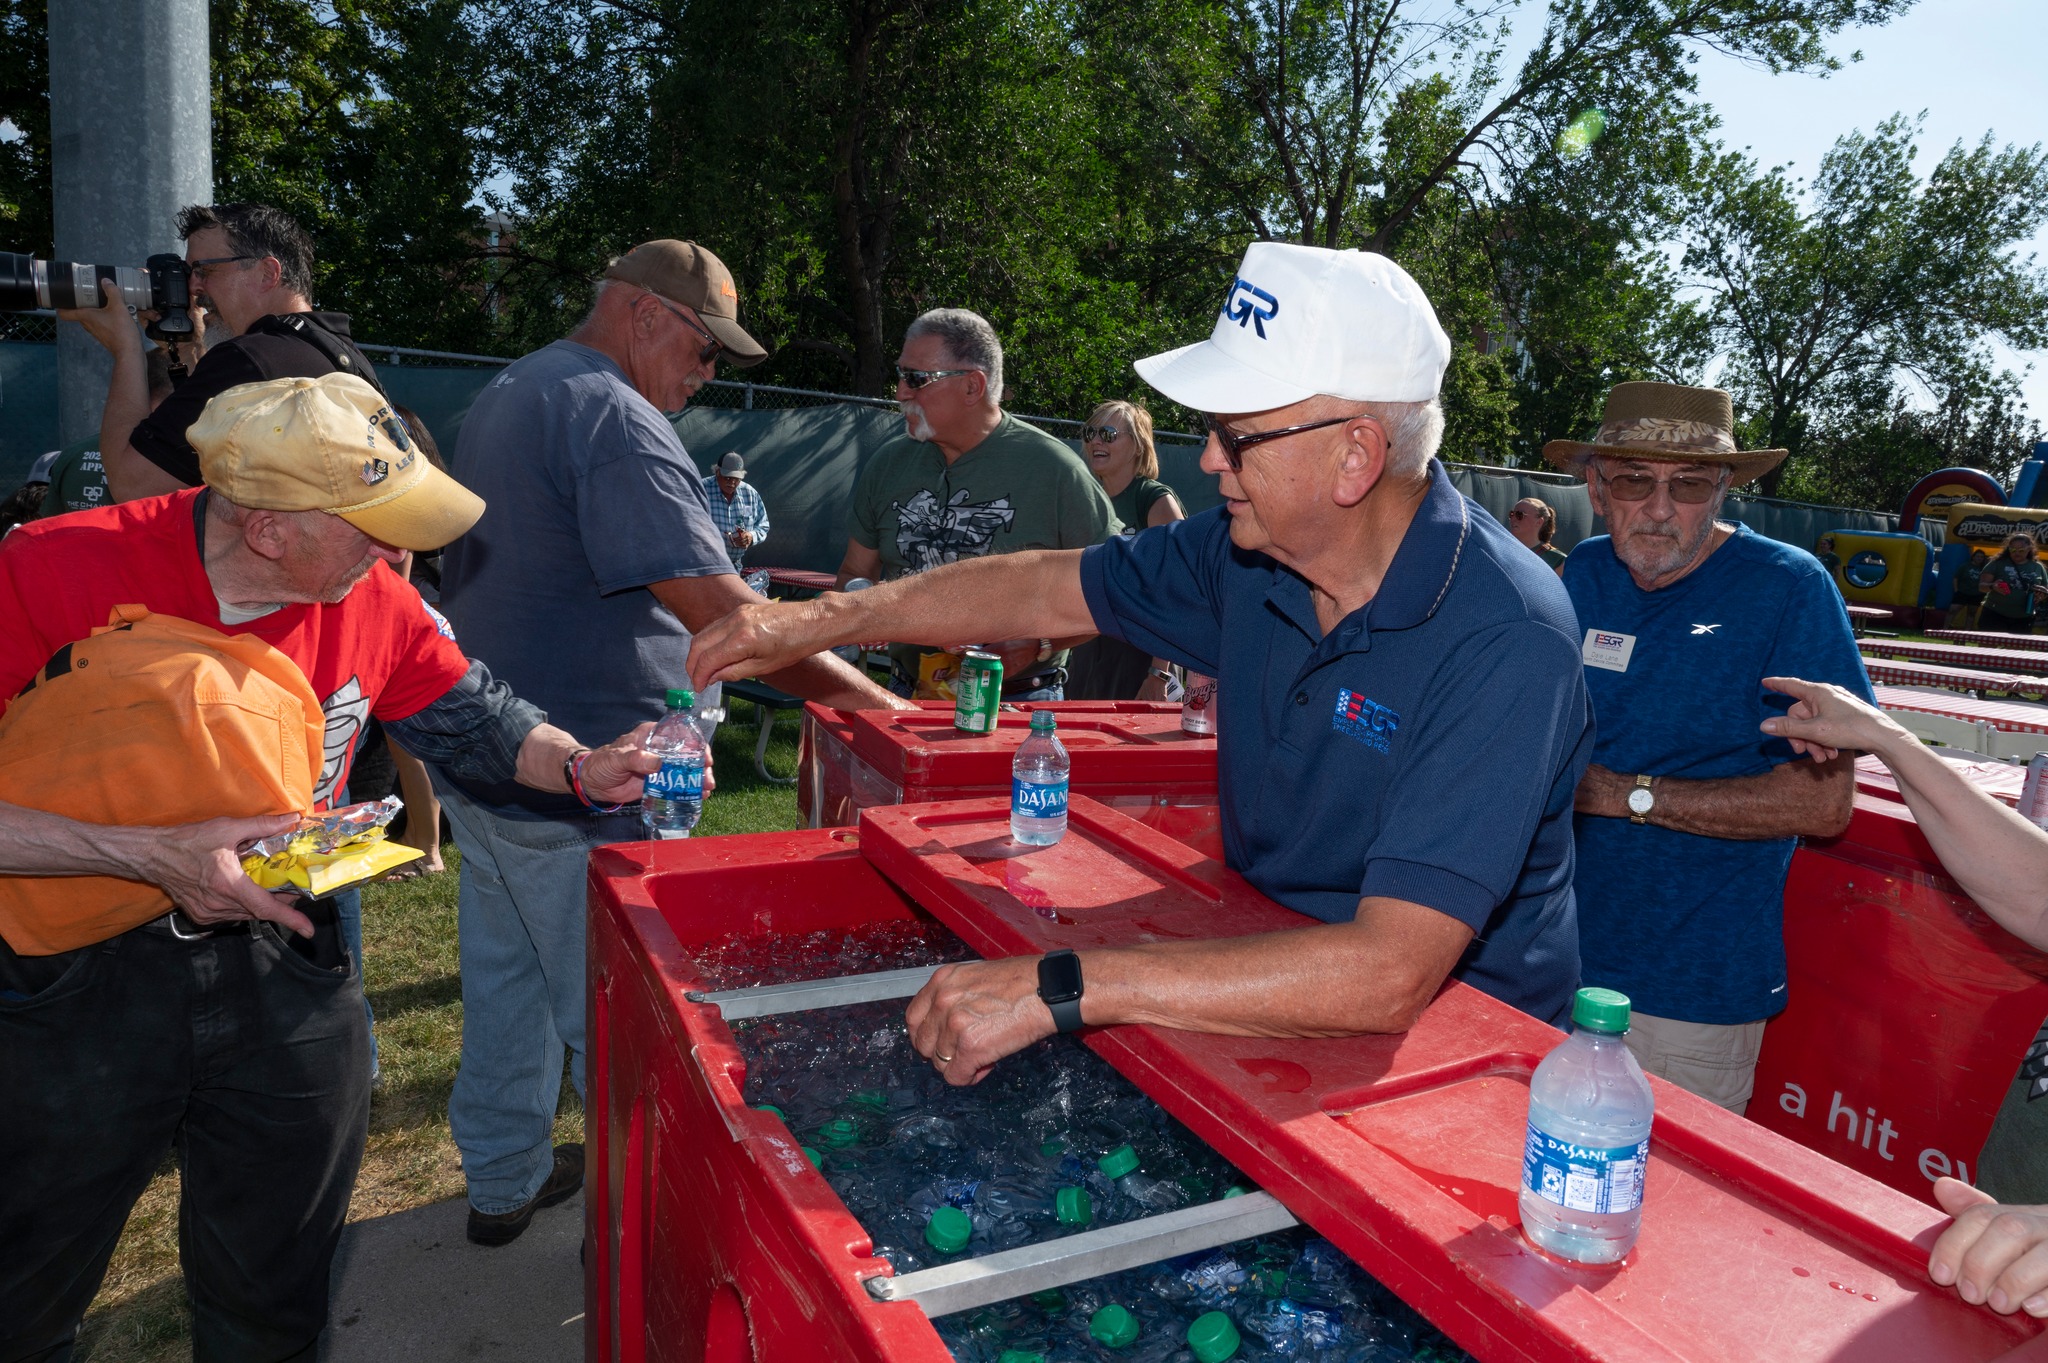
(505, 1227)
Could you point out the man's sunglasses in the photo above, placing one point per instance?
(1234, 446)
(1691, 489)
(915, 379)
(1106, 434)
(713, 347)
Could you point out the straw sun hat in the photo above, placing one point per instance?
(1670, 423)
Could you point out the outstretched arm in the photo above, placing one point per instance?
(1792, 799)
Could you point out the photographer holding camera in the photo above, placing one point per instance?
(252, 268)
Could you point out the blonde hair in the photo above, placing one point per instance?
(1134, 416)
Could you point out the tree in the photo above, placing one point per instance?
(1823, 311)
(25, 223)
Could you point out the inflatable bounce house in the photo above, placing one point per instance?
(1904, 573)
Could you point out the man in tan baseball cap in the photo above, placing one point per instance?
(684, 272)
(330, 444)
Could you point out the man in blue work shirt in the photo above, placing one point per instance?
(1688, 816)
(736, 509)
(1403, 718)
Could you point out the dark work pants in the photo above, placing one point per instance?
(246, 1052)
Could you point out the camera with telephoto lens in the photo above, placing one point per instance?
(163, 285)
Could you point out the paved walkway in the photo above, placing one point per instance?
(410, 1285)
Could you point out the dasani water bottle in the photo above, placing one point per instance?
(1589, 1138)
(674, 797)
(1038, 785)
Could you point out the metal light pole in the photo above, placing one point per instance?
(131, 142)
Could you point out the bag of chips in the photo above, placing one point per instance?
(329, 852)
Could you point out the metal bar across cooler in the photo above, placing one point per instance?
(769, 999)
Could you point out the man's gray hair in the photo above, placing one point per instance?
(970, 343)
(1415, 430)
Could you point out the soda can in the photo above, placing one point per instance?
(1198, 705)
(977, 692)
(2033, 795)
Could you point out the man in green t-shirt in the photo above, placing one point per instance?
(77, 480)
(966, 480)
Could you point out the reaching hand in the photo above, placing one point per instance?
(757, 638)
(616, 773)
(969, 1016)
(1996, 1256)
(1825, 719)
(199, 865)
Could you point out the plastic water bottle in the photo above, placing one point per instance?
(674, 797)
(1120, 1166)
(1038, 785)
(709, 712)
(1588, 1143)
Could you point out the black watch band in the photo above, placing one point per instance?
(1059, 987)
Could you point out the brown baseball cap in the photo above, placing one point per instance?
(329, 444)
(684, 272)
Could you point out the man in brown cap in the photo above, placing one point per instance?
(581, 590)
(233, 1024)
(1688, 815)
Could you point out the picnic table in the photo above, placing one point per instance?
(2032, 643)
(2000, 780)
(2002, 729)
(801, 579)
(1859, 616)
(2012, 660)
(1973, 679)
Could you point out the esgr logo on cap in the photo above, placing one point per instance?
(1246, 302)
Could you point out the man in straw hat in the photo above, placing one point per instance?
(232, 1026)
(1688, 816)
(1390, 659)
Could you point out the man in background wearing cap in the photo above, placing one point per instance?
(599, 557)
(967, 479)
(1390, 662)
(1688, 816)
(736, 509)
(233, 1026)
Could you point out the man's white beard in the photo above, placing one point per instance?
(913, 415)
(1655, 551)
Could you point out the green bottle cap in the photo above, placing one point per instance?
(770, 1107)
(838, 1133)
(817, 1160)
(1113, 1327)
(949, 1230)
(1118, 1162)
(1020, 1356)
(1044, 721)
(1213, 1337)
(680, 699)
(1600, 1010)
(1052, 1147)
(1073, 1207)
(1235, 1190)
(1052, 1299)
(874, 1100)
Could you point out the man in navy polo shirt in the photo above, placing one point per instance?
(1403, 717)
(1688, 816)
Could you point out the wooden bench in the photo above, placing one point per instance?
(771, 703)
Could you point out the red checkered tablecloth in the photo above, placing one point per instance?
(2011, 660)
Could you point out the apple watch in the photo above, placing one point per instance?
(1059, 987)
(1641, 800)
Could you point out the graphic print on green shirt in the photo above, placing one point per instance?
(77, 481)
(2010, 595)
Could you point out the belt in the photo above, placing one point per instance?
(185, 930)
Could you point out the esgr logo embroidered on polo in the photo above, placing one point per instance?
(1368, 721)
(1246, 302)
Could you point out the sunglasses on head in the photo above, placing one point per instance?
(1102, 433)
(1234, 446)
(1688, 488)
(915, 379)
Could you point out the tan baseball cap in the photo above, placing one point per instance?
(684, 272)
(329, 444)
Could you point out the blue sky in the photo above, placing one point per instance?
(1974, 66)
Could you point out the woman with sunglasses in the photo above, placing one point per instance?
(1117, 442)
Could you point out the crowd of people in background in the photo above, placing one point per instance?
(1651, 721)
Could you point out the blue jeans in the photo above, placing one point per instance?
(521, 916)
(348, 917)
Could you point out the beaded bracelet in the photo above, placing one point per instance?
(573, 769)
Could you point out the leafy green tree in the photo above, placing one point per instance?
(25, 103)
(1827, 309)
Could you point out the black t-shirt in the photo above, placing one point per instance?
(272, 348)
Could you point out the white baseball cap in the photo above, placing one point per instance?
(1303, 320)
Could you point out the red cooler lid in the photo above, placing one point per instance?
(1111, 743)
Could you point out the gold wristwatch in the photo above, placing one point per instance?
(1641, 800)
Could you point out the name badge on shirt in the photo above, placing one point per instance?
(1604, 648)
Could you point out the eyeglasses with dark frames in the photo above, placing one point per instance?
(203, 268)
(914, 379)
(1689, 489)
(1234, 446)
(709, 352)
(1106, 434)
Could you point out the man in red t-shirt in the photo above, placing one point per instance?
(232, 1028)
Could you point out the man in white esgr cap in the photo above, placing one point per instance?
(1403, 713)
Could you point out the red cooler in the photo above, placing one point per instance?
(1130, 755)
(711, 1236)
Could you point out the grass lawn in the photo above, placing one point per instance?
(413, 978)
